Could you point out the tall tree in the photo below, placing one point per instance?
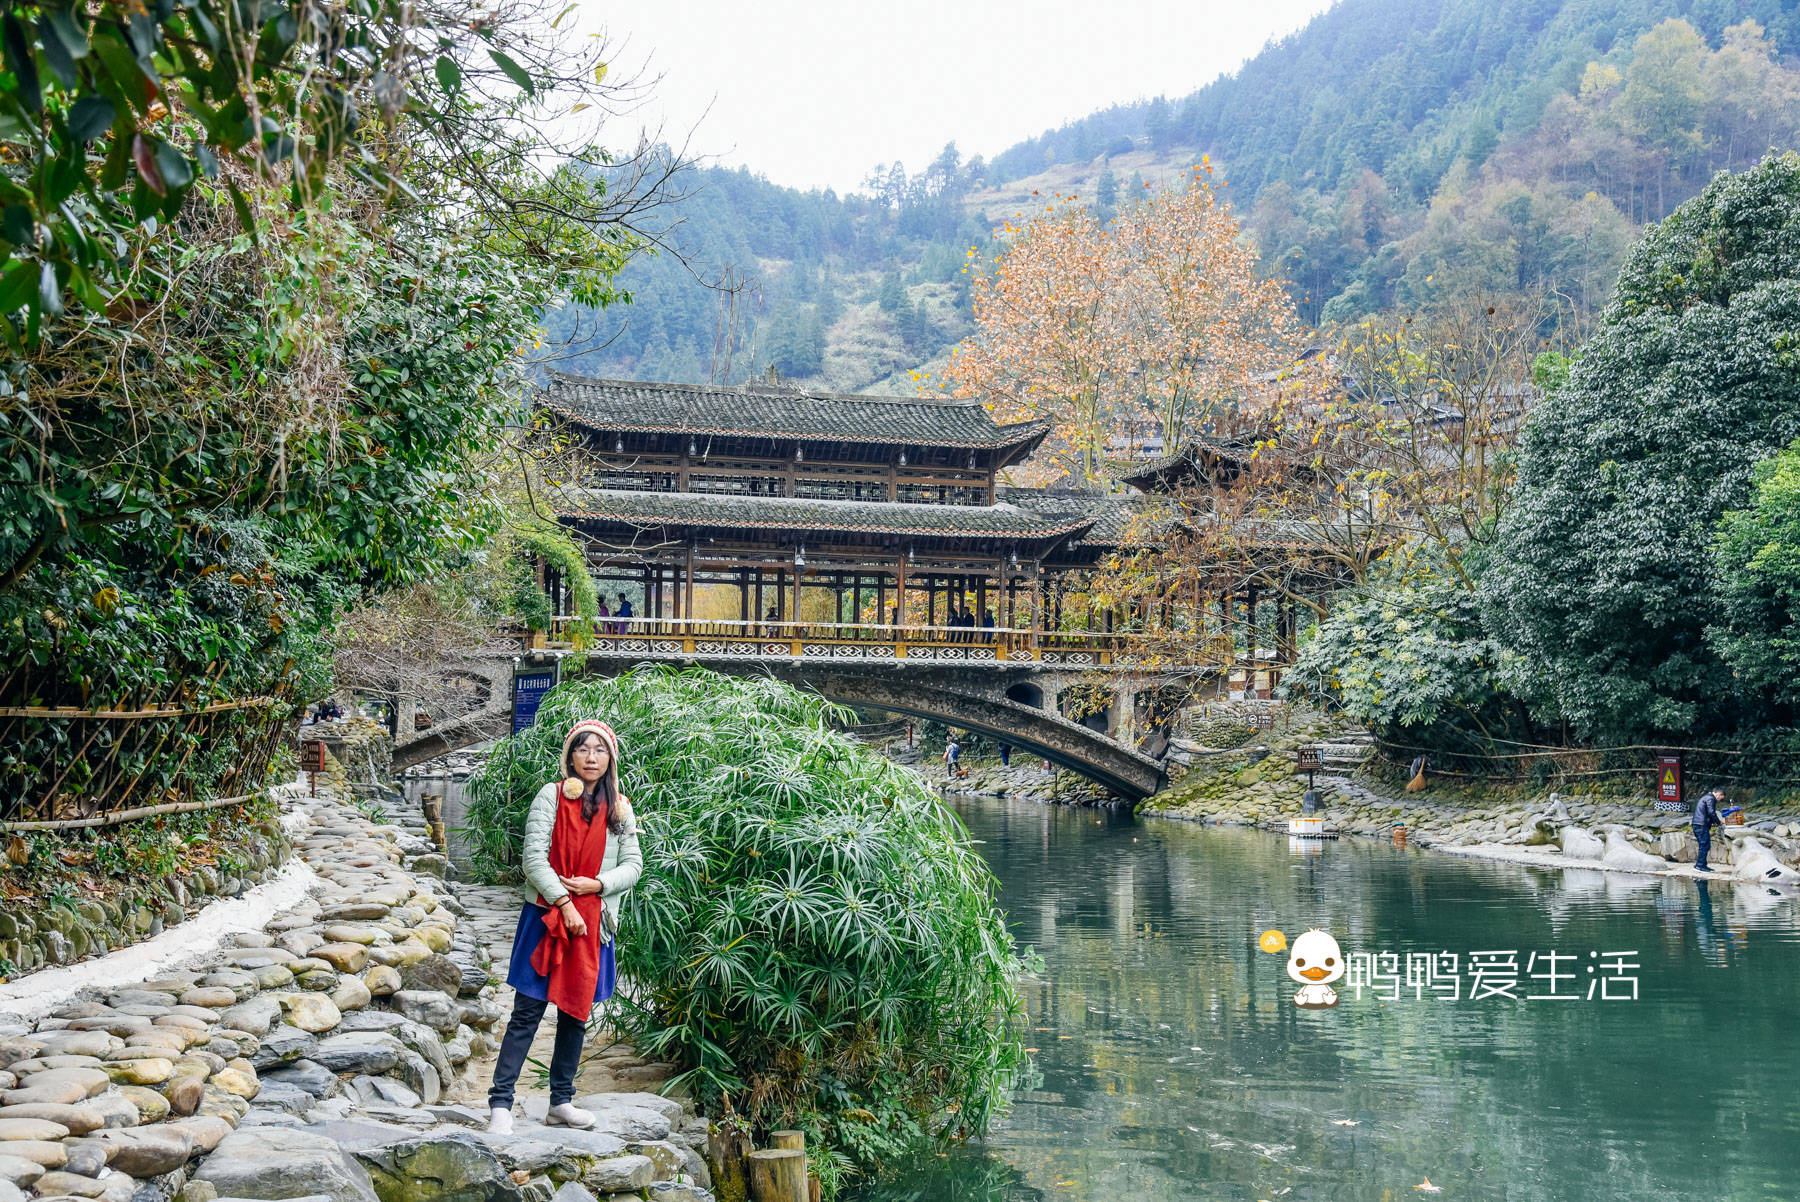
(1154, 324)
(1602, 577)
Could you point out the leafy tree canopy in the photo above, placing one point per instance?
(1758, 558)
(1603, 574)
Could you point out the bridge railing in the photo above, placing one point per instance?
(706, 637)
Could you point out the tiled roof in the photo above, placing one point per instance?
(1112, 516)
(799, 514)
(776, 412)
(1152, 473)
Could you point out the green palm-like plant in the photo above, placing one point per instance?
(814, 938)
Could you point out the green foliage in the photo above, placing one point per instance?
(1758, 562)
(136, 860)
(559, 550)
(280, 360)
(1411, 660)
(799, 257)
(1603, 578)
(813, 937)
(122, 111)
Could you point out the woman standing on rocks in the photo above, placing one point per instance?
(581, 853)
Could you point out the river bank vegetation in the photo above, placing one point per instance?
(814, 938)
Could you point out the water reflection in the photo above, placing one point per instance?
(1172, 1063)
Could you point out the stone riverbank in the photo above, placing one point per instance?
(340, 1053)
(1227, 769)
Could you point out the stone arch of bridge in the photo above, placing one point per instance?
(966, 700)
(1117, 768)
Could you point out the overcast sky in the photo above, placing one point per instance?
(814, 94)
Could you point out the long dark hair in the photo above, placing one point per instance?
(598, 791)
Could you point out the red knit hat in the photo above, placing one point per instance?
(595, 727)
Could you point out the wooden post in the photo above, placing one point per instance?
(795, 1141)
(778, 1175)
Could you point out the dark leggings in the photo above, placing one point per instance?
(571, 1032)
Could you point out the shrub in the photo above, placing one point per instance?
(1411, 660)
(814, 940)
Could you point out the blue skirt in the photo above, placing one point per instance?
(522, 977)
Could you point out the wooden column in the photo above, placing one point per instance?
(1037, 604)
(798, 573)
(900, 590)
(687, 584)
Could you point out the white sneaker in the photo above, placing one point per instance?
(568, 1115)
(499, 1121)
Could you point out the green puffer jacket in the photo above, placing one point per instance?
(620, 867)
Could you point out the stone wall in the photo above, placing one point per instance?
(331, 1053)
(45, 930)
(359, 753)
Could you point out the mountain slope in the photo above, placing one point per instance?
(1392, 153)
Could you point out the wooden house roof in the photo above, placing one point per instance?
(802, 515)
(770, 411)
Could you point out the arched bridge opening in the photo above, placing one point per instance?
(967, 700)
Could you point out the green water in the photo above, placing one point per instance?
(1172, 1062)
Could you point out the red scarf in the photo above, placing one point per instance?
(572, 964)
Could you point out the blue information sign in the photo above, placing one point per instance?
(529, 689)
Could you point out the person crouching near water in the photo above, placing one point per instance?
(581, 858)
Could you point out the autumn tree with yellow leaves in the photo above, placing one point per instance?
(1154, 322)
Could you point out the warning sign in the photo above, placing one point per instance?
(1668, 778)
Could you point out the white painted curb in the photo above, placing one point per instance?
(36, 994)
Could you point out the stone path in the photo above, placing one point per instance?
(330, 1055)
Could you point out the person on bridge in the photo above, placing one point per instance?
(581, 858)
(1706, 816)
(988, 624)
(624, 611)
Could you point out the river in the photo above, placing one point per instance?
(1172, 1063)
